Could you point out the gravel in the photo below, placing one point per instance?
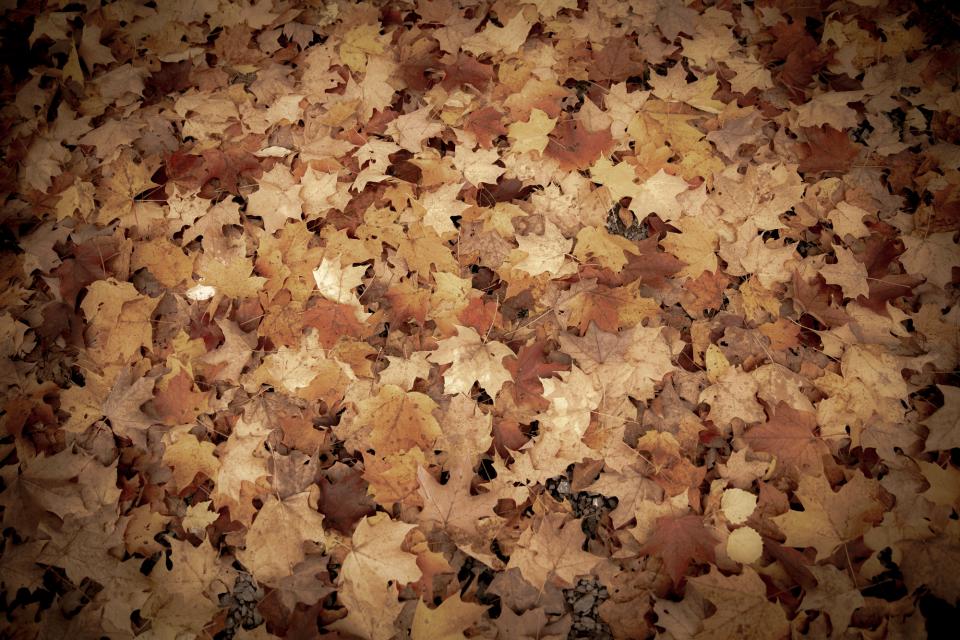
(592, 507)
(584, 600)
(242, 602)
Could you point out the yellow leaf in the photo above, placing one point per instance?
(446, 622)
(608, 250)
(532, 134)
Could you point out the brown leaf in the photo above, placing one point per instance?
(789, 435)
(343, 498)
(529, 366)
(678, 541)
(576, 148)
(826, 149)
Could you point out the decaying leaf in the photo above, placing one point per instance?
(443, 319)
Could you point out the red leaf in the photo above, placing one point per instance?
(486, 125)
(343, 498)
(332, 320)
(619, 59)
(529, 366)
(178, 403)
(466, 70)
(789, 434)
(826, 149)
(479, 314)
(575, 147)
(678, 541)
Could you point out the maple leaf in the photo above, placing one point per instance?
(678, 541)
(627, 363)
(375, 557)
(123, 406)
(544, 253)
(532, 134)
(527, 368)
(332, 320)
(232, 356)
(826, 149)
(394, 420)
(274, 543)
(446, 622)
(450, 505)
(336, 282)
(343, 498)
(608, 250)
(933, 563)
(466, 70)
(933, 256)
(506, 39)
(618, 59)
(478, 166)
(188, 457)
(761, 195)
(944, 424)
(277, 200)
(848, 273)
(658, 194)
(742, 607)
(576, 148)
(835, 594)
(403, 372)
(551, 552)
(242, 464)
(189, 595)
(52, 483)
(411, 129)
(472, 360)
(176, 402)
(830, 519)
(789, 434)
(486, 124)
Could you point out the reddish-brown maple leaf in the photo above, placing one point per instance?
(486, 125)
(601, 305)
(880, 249)
(407, 302)
(343, 498)
(529, 366)
(576, 148)
(177, 403)
(652, 265)
(480, 314)
(826, 149)
(95, 259)
(172, 77)
(417, 70)
(332, 321)
(707, 292)
(619, 59)
(814, 298)
(299, 431)
(678, 541)
(217, 170)
(946, 210)
(789, 435)
(801, 58)
(466, 70)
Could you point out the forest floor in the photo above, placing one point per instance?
(434, 319)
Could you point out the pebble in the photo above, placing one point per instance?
(242, 601)
(584, 605)
(585, 599)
